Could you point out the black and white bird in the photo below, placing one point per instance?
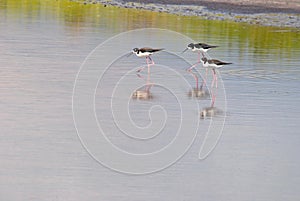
(213, 64)
(145, 52)
(199, 47)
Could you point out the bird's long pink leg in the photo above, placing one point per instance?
(213, 81)
(148, 59)
(148, 83)
(199, 57)
(199, 60)
(194, 75)
(148, 76)
(216, 80)
(152, 62)
(140, 69)
(213, 99)
(193, 66)
(204, 80)
(148, 65)
(196, 79)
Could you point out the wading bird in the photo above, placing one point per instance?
(201, 48)
(213, 64)
(146, 52)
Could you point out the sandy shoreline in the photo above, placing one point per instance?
(269, 13)
(235, 6)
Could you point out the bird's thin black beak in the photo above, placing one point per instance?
(184, 50)
(129, 54)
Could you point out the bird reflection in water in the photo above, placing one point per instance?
(143, 93)
(198, 93)
(209, 112)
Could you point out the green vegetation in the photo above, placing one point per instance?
(77, 14)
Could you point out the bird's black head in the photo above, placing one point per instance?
(135, 50)
(204, 59)
(191, 46)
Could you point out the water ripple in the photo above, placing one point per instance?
(264, 74)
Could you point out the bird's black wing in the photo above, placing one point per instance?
(217, 62)
(148, 49)
(205, 46)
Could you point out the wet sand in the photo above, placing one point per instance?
(236, 6)
(266, 13)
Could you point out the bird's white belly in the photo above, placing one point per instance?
(206, 65)
(143, 54)
(200, 50)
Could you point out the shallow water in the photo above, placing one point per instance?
(43, 45)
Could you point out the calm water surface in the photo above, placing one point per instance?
(43, 44)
